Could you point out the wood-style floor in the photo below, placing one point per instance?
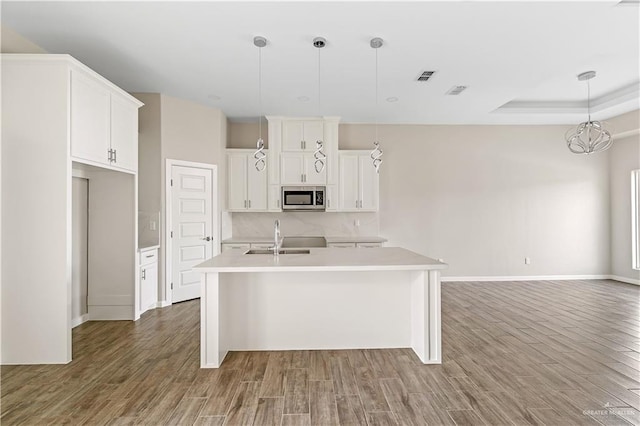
(545, 352)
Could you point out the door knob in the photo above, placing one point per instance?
(208, 238)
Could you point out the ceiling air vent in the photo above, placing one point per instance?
(426, 75)
(456, 90)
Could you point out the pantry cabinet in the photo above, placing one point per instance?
(247, 187)
(358, 185)
(61, 119)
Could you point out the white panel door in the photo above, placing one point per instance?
(312, 177)
(90, 119)
(348, 188)
(237, 181)
(192, 228)
(368, 178)
(124, 133)
(291, 169)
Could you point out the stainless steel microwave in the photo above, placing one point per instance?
(303, 198)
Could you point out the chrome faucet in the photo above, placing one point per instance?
(276, 238)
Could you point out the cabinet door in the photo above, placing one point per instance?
(348, 188)
(368, 178)
(313, 132)
(148, 286)
(124, 133)
(312, 177)
(292, 135)
(256, 187)
(331, 198)
(291, 169)
(237, 181)
(90, 119)
(275, 194)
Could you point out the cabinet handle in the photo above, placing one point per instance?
(245, 204)
(149, 255)
(144, 274)
(278, 203)
(115, 155)
(249, 203)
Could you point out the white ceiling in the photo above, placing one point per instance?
(519, 60)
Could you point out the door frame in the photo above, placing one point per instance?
(215, 214)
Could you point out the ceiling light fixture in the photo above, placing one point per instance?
(319, 155)
(376, 154)
(589, 136)
(259, 155)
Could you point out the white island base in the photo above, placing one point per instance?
(329, 299)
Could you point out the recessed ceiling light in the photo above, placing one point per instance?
(303, 98)
(214, 97)
(392, 99)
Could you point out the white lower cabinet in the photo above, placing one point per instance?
(148, 279)
(354, 245)
(229, 246)
(341, 245)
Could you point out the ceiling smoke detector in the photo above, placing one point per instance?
(426, 75)
(456, 90)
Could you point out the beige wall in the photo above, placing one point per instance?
(172, 128)
(12, 42)
(624, 157)
(245, 135)
(485, 197)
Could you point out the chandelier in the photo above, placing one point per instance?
(590, 136)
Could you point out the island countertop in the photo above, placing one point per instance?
(322, 259)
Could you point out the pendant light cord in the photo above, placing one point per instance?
(319, 91)
(377, 112)
(589, 101)
(260, 91)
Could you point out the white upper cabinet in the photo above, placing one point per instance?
(124, 133)
(247, 187)
(358, 185)
(90, 119)
(301, 135)
(104, 124)
(299, 169)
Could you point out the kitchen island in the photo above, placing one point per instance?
(330, 298)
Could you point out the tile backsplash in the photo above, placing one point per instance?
(305, 223)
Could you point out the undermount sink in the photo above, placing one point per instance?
(288, 242)
(281, 251)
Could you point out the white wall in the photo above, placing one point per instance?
(624, 157)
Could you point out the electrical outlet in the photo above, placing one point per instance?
(527, 261)
(152, 225)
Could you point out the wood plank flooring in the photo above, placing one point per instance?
(540, 352)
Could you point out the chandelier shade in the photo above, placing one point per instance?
(589, 136)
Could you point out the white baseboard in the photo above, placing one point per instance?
(79, 320)
(625, 279)
(543, 278)
(163, 304)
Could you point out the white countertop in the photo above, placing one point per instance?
(330, 239)
(322, 259)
